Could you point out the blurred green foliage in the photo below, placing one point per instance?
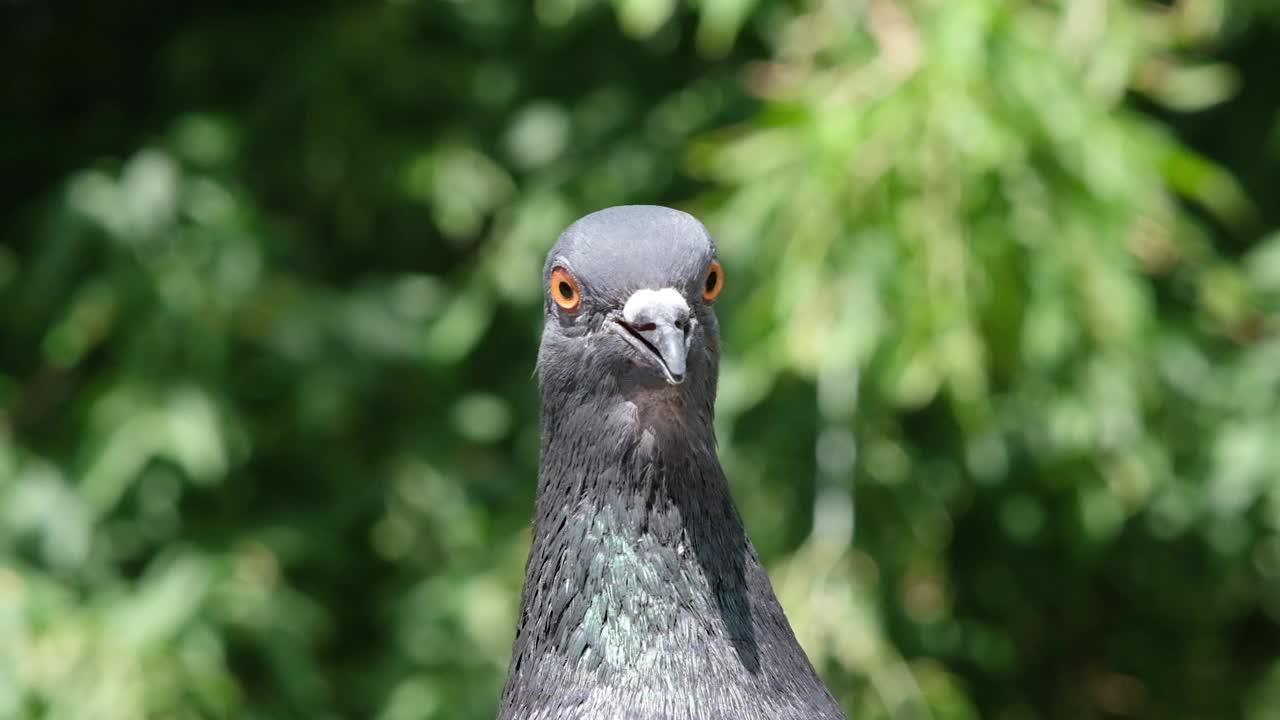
(1002, 365)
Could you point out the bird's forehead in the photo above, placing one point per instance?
(632, 247)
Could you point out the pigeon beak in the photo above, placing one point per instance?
(656, 322)
(669, 342)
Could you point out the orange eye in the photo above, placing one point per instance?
(564, 290)
(714, 281)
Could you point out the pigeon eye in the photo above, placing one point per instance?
(564, 290)
(714, 281)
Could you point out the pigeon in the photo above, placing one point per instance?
(643, 597)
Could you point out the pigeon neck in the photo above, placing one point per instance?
(641, 581)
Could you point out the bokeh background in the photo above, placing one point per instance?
(1001, 390)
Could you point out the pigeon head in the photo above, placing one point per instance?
(629, 304)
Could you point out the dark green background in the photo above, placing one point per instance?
(1000, 391)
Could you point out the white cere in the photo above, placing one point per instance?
(648, 298)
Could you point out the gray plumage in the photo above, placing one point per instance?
(643, 598)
